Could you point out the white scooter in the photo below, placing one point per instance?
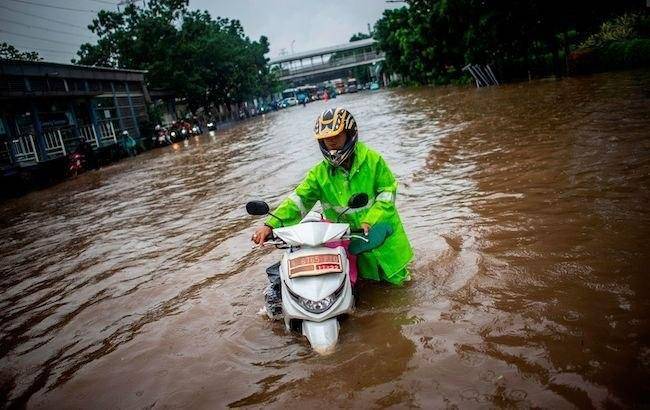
(315, 279)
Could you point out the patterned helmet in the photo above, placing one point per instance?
(330, 124)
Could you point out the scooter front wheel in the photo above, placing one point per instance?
(322, 336)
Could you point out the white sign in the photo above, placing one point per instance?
(107, 113)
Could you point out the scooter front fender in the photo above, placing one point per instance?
(322, 336)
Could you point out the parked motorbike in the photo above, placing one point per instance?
(315, 279)
(83, 158)
(162, 136)
(76, 163)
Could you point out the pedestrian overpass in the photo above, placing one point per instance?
(327, 63)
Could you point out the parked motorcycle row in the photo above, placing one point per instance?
(177, 131)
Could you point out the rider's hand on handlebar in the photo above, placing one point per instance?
(365, 227)
(261, 234)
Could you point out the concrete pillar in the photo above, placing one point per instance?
(75, 124)
(10, 146)
(117, 108)
(39, 142)
(135, 118)
(92, 110)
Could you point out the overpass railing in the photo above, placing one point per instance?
(333, 63)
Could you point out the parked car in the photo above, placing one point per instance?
(289, 102)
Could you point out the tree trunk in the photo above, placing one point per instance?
(555, 49)
(566, 51)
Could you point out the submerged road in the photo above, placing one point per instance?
(527, 204)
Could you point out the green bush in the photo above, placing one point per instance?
(622, 27)
(613, 56)
(637, 52)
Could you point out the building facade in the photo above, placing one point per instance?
(48, 109)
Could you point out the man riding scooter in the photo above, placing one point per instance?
(350, 167)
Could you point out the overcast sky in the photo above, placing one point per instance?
(308, 24)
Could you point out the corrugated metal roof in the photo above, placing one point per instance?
(71, 66)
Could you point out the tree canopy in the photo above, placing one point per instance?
(430, 41)
(203, 59)
(9, 52)
(359, 36)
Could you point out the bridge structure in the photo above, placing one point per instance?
(327, 63)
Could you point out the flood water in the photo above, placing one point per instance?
(135, 286)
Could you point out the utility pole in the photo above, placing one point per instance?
(292, 42)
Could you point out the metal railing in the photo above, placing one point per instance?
(25, 150)
(54, 145)
(57, 141)
(89, 134)
(332, 63)
(107, 131)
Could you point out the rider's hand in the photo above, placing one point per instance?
(261, 234)
(365, 227)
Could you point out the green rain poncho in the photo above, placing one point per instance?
(333, 187)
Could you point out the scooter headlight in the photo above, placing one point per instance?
(183, 131)
(210, 124)
(173, 133)
(318, 306)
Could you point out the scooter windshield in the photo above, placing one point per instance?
(311, 233)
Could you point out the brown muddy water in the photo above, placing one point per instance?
(136, 286)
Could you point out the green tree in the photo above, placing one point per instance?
(202, 59)
(430, 41)
(359, 36)
(9, 52)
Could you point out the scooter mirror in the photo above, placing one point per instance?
(358, 200)
(257, 208)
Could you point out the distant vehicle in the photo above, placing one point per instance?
(302, 98)
(265, 107)
(290, 92)
(339, 85)
(161, 136)
(374, 86)
(306, 93)
(289, 102)
(352, 85)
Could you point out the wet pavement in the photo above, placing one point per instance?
(527, 204)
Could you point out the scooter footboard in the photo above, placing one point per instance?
(322, 336)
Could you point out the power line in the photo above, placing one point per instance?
(44, 29)
(103, 2)
(54, 7)
(43, 18)
(39, 38)
(45, 50)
